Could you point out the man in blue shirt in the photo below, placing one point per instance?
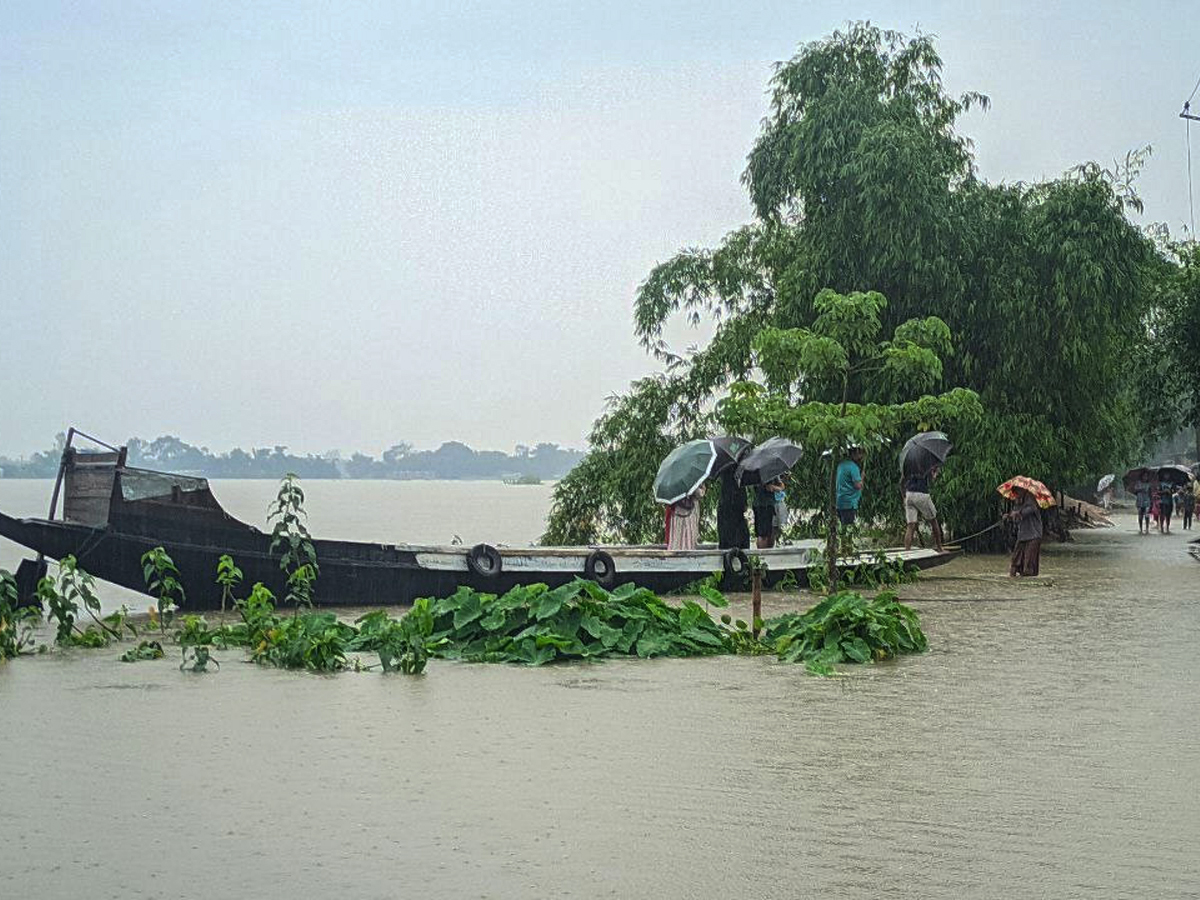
(849, 486)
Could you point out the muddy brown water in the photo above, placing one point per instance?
(1048, 745)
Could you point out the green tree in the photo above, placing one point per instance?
(809, 372)
(860, 181)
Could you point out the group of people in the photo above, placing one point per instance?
(914, 494)
(1158, 502)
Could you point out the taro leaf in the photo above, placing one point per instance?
(857, 650)
(494, 620)
(713, 596)
(653, 643)
(469, 609)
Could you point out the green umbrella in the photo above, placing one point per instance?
(685, 469)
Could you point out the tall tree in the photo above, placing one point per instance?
(860, 182)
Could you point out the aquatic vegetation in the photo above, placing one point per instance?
(63, 600)
(402, 644)
(843, 628)
(162, 581)
(145, 650)
(581, 620)
(16, 622)
(289, 536)
(229, 577)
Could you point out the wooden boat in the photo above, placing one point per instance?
(112, 513)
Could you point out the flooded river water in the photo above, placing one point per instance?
(1047, 745)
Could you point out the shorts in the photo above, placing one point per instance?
(919, 506)
(764, 521)
(1164, 509)
(847, 516)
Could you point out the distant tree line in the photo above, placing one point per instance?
(452, 460)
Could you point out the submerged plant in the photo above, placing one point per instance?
(229, 577)
(162, 581)
(145, 650)
(846, 627)
(535, 625)
(402, 644)
(290, 538)
(16, 622)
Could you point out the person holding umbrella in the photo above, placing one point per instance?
(764, 468)
(1026, 555)
(921, 459)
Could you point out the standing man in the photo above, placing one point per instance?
(1189, 504)
(764, 514)
(849, 486)
(1141, 491)
(918, 504)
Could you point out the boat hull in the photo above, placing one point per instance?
(363, 574)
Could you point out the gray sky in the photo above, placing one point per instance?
(346, 225)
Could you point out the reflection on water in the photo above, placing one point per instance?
(1047, 745)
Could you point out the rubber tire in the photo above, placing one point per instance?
(600, 568)
(484, 560)
(735, 562)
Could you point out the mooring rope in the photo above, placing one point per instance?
(971, 537)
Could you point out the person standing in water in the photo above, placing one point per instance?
(1141, 492)
(1027, 554)
(1166, 506)
(1187, 504)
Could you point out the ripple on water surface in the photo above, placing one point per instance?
(1045, 746)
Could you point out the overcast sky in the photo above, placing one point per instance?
(343, 225)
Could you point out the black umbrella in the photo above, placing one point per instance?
(1176, 475)
(767, 461)
(730, 450)
(923, 451)
(1137, 474)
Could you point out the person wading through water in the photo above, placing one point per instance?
(1026, 556)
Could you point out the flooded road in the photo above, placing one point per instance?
(1048, 745)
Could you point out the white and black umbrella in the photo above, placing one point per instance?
(768, 461)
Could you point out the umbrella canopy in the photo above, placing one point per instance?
(729, 451)
(685, 469)
(922, 452)
(1138, 473)
(768, 461)
(1040, 492)
(1176, 475)
(1105, 483)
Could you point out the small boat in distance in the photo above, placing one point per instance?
(112, 513)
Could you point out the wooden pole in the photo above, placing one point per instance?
(755, 601)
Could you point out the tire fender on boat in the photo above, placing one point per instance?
(600, 568)
(484, 561)
(735, 562)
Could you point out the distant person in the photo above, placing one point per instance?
(732, 530)
(781, 511)
(1141, 493)
(1026, 555)
(1166, 506)
(849, 486)
(918, 505)
(1188, 504)
(764, 514)
(1106, 498)
(683, 532)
